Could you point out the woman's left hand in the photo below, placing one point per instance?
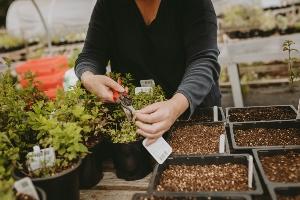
(156, 119)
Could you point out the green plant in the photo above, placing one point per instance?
(119, 128)
(7, 41)
(293, 74)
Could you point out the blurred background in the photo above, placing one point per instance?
(256, 69)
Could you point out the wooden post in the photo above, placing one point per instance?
(234, 78)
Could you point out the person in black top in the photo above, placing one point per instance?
(173, 42)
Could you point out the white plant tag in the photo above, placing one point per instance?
(40, 158)
(250, 171)
(147, 83)
(25, 186)
(222, 143)
(160, 150)
(216, 113)
(143, 89)
(298, 113)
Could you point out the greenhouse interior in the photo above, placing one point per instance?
(149, 99)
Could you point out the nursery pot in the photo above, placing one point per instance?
(62, 186)
(90, 171)
(41, 193)
(131, 160)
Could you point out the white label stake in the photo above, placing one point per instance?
(147, 83)
(298, 113)
(250, 171)
(160, 150)
(222, 143)
(216, 113)
(143, 89)
(25, 186)
(40, 158)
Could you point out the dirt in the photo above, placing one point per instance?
(267, 137)
(24, 197)
(284, 168)
(187, 198)
(197, 178)
(288, 197)
(201, 139)
(261, 114)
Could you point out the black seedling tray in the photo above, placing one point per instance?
(250, 125)
(184, 123)
(204, 160)
(207, 112)
(284, 191)
(190, 197)
(287, 107)
(273, 152)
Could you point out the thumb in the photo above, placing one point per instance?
(113, 84)
(150, 109)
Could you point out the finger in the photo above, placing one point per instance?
(149, 118)
(150, 109)
(150, 135)
(150, 128)
(107, 96)
(113, 84)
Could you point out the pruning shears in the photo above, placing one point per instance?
(125, 101)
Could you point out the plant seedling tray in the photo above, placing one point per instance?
(292, 113)
(190, 197)
(203, 161)
(273, 152)
(206, 115)
(174, 133)
(288, 192)
(254, 125)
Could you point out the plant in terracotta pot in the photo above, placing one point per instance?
(131, 159)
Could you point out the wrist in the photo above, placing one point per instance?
(86, 76)
(181, 104)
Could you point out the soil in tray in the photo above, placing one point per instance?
(196, 139)
(267, 137)
(185, 198)
(288, 197)
(261, 113)
(283, 168)
(197, 178)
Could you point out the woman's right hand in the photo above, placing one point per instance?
(101, 85)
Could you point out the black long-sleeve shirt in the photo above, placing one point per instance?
(178, 49)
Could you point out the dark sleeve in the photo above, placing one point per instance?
(95, 54)
(200, 40)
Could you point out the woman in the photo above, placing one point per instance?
(173, 42)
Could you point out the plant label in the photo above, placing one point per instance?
(222, 143)
(216, 113)
(143, 89)
(41, 158)
(250, 171)
(147, 83)
(25, 186)
(298, 113)
(160, 150)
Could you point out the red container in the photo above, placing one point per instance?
(43, 66)
(51, 93)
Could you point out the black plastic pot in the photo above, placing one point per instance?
(190, 123)
(250, 125)
(204, 160)
(269, 184)
(188, 197)
(132, 161)
(208, 114)
(63, 186)
(288, 192)
(284, 108)
(41, 193)
(90, 170)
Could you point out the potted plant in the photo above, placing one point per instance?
(77, 105)
(264, 135)
(130, 158)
